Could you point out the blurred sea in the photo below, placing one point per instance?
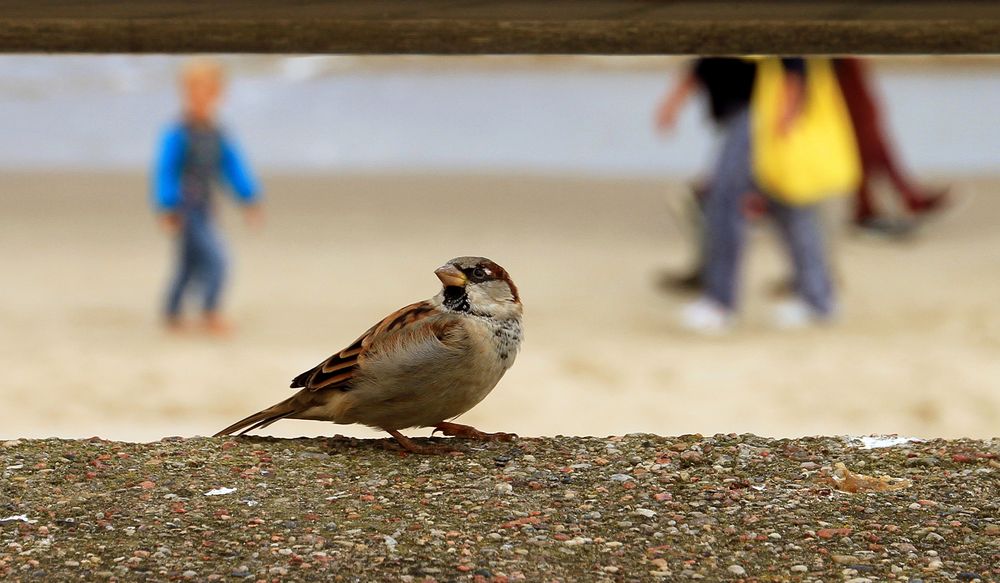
(558, 115)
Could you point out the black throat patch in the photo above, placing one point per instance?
(455, 299)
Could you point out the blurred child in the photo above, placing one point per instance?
(194, 154)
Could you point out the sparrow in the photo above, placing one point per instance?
(421, 366)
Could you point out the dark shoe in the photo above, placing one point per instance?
(931, 203)
(781, 288)
(886, 228)
(689, 283)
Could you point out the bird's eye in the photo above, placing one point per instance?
(479, 273)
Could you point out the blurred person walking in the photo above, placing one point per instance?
(877, 156)
(729, 84)
(194, 154)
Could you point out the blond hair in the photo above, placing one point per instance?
(202, 69)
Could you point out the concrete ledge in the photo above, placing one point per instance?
(636, 508)
(502, 26)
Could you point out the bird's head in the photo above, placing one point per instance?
(479, 286)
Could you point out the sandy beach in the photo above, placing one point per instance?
(915, 351)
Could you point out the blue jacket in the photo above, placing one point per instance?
(166, 191)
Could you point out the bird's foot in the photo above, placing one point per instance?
(413, 447)
(469, 432)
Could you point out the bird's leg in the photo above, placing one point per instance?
(469, 432)
(414, 447)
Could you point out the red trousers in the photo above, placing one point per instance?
(874, 149)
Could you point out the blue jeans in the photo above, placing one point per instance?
(725, 225)
(201, 262)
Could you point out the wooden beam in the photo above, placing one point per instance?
(613, 27)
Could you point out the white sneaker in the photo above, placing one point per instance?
(706, 316)
(795, 313)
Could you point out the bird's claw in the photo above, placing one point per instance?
(469, 432)
(408, 445)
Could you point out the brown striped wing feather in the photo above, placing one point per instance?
(337, 371)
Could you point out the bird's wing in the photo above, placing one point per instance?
(339, 369)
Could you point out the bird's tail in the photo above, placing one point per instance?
(284, 409)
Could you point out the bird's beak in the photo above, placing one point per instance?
(450, 276)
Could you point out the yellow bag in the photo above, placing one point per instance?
(818, 157)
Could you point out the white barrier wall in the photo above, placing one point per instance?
(509, 114)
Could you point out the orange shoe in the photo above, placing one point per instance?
(216, 325)
(175, 325)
